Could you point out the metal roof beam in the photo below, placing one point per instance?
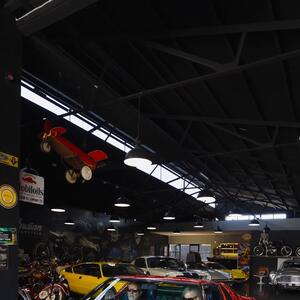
(230, 69)
(230, 121)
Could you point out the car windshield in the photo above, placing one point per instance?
(163, 262)
(111, 270)
(198, 266)
(147, 290)
(291, 264)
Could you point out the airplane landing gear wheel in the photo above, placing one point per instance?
(45, 147)
(86, 173)
(71, 176)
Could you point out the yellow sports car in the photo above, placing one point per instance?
(84, 277)
(237, 274)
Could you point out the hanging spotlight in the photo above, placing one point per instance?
(198, 224)
(58, 210)
(218, 230)
(69, 221)
(137, 157)
(254, 223)
(114, 219)
(111, 228)
(176, 231)
(169, 216)
(206, 196)
(122, 202)
(151, 227)
(140, 233)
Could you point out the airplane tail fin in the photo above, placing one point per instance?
(98, 155)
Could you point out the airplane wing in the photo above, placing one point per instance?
(98, 155)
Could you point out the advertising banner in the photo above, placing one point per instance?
(31, 188)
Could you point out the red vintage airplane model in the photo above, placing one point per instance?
(80, 163)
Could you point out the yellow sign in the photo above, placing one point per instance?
(9, 160)
(8, 196)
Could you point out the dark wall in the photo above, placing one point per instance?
(10, 64)
(37, 223)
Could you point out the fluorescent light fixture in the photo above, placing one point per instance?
(169, 216)
(198, 224)
(114, 219)
(151, 227)
(218, 230)
(111, 229)
(58, 210)
(40, 101)
(70, 222)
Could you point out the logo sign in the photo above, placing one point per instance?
(9, 160)
(8, 196)
(31, 188)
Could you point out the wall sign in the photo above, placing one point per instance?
(4, 258)
(8, 196)
(31, 188)
(8, 236)
(9, 160)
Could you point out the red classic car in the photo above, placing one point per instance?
(162, 288)
(80, 163)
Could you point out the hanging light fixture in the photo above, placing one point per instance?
(198, 224)
(206, 196)
(140, 233)
(58, 210)
(69, 221)
(254, 223)
(169, 216)
(111, 228)
(138, 157)
(114, 219)
(122, 202)
(218, 230)
(151, 227)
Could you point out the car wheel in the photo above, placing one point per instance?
(71, 176)
(286, 251)
(258, 250)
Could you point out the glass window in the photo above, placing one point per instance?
(163, 262)
(212, 292)
(88, 269)
(140, 262)
(110, 270)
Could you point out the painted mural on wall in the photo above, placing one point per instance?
(41, 235)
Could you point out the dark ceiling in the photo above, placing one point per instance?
(218, 82)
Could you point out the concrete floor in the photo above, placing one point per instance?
(266, 292)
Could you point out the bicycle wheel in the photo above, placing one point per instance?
(286, 250)
(258, 250)
(297, 251)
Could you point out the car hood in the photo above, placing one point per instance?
(291, 272)
(215, 274)
(164, 272)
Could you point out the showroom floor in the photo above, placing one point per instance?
(267, 292)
